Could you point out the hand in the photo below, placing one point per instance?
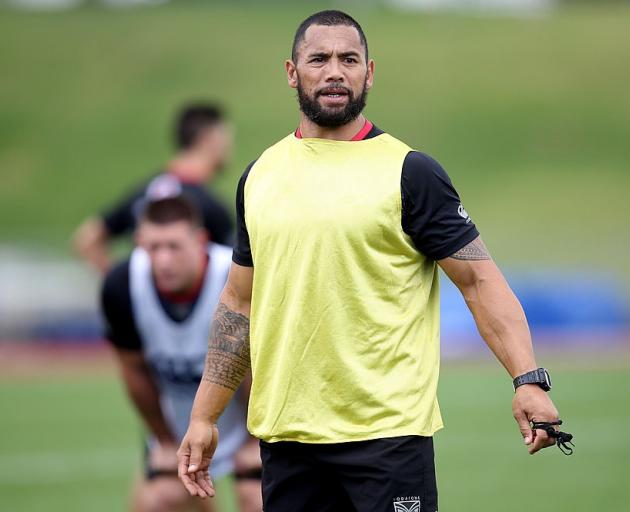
(163, 457)
(194, 457)
(531, 403)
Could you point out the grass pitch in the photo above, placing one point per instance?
(71, 443)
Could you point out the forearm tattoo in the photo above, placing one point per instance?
(228, 356)
(475, 251)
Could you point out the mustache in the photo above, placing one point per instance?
(334, 88)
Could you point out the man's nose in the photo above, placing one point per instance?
(162, 258)
(334, 72)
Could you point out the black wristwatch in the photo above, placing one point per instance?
(539, 376)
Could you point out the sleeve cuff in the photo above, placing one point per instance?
(455, 245)
(243, 261)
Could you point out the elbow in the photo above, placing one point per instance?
(79, 243)
(473, 289)
(235, 301)
(89, 236)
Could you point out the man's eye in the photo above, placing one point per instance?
(317, 59)
(350, 60)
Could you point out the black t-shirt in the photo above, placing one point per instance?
(122, 218)
(432, 212)
(120, 326)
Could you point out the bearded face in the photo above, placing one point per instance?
(332, 105)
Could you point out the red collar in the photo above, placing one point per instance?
(361, 134)
(193, 292)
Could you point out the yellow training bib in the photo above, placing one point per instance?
(345, 311)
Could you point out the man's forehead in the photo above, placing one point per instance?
(178, 228)
(331, 38)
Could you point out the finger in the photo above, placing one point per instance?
(540, 441)
(182, 464)
(195, 481)
(203, 479)
(551, 441)
(524, 427)
(198, 480)
(189, 484)
(182, 471)
(196, 453)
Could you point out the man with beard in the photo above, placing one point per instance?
(333, 299)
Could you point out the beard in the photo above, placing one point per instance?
(327, 117)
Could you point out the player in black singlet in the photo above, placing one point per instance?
(203, 139)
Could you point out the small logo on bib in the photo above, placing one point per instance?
(407, 504)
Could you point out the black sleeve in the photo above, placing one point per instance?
(242, 254)
(217, 221)
(432, 213)
(121, 218)
(120, 327)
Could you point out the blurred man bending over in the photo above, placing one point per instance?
(158, 305)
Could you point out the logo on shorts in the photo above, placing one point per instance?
(407, 504)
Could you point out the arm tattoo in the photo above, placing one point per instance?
(228, 348)
(474, 251)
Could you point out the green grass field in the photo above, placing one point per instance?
(71, 443)
(531, 116)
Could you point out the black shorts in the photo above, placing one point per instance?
(384, 475)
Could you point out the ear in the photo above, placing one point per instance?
(208, 137)
(369, 79)
(292, 76)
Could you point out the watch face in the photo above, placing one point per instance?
(546, 379)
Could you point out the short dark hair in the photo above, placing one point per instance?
(171, 209)
(327, 18)
(194, 119)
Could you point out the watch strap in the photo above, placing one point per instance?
(539, 376)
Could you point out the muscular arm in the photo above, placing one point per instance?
(227, 363)
(496, 310)
(502, 324)
(144, 394)
(90, 241)
(228, 359)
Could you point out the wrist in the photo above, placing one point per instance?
(206, 421)
(522, 370)
(527, 388)
(538, 377)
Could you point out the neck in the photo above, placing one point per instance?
(190, 167)
(309, 129)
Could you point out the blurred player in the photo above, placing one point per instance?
(204, 142)
(158, 305)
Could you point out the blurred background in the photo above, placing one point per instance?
(526, 103)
